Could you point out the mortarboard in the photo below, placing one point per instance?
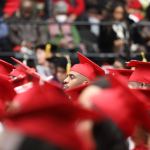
(87, 68)
(141, 72)
(5, 67)
(124, 72)
(126, 108)
(22, 73)
(47, 115)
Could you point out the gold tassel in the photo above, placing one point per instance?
(143, 57)
(48, 50)
(68, 67)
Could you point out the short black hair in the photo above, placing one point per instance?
(59, 61)
(41, 46)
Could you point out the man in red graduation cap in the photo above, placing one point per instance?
(82, 73)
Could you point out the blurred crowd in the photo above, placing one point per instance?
(91, 26)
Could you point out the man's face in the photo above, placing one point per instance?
(74, 79)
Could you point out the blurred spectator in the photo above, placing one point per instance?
(113, 38)
(24, 34)
(74, 8)
(118, 63)
(4, 39)
(58, 67)
(141, 35)
(63, 34)
(43, 65)
(89, 33)
(61, 69)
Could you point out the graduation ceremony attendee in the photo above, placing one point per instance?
(61, 68)
(82, 73)
(119, 104)
(43, 52)
(42, 120)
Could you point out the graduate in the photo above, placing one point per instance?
(82, 73)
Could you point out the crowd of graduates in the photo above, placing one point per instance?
(94, 108)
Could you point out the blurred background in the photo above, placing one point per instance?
(46, 34)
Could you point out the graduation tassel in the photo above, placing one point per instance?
(143, 57)
(48, 50)
(68, 67)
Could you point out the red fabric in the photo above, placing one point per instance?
(141, 147)
(11, 7)
(87, 68)
(125, 107)
(7, 92)
(23, 74)
(78, 9)
(74, 93)
(5, 67)
(44, 112)
(141, 72)
(124, 72)
(26, 69)
(134, 4)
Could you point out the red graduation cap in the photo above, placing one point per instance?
(5, 67)
(141, 72)
(28, 70)
(23, 74)
(75, 92)
(127, 108)
(124, 72)
(87, 68)
(45, 112)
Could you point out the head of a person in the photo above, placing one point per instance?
(60, 11)
(118, 12)
(74, 79)
(41, 54)
(101, 131)
(61, 69)
(83, 73)
(27, 8)
(118, 63)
